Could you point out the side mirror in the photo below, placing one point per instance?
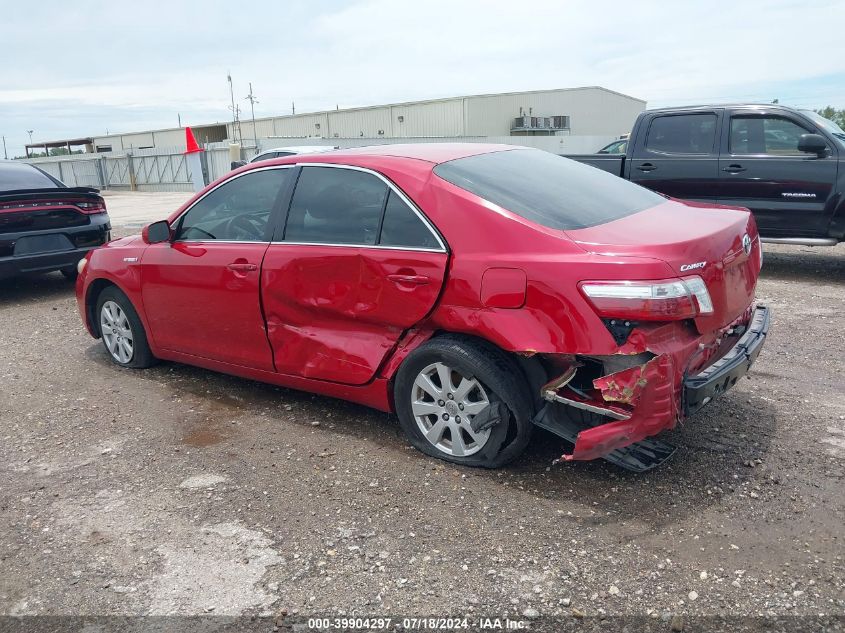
(812, 144)
(156, 232)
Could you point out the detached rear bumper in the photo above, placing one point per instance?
(723, 374)
(643, 400)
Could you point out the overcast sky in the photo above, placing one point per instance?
(71, 69)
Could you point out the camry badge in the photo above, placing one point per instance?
(686, 267)
(746, 244)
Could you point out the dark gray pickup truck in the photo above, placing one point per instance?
(786, 165)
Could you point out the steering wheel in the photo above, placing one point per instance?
(242, 226)
(196, 228)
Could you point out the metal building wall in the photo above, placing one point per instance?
(300, 125)
(592, 111)
(365, 122)
(145, 139)
(436, 118)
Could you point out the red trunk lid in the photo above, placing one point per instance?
(719, 244)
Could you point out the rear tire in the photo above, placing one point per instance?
(70, 273)
(445, 383)
(121, 330)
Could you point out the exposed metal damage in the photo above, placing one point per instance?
(638, 399)
(608, 406)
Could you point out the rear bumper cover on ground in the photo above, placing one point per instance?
(724, 373)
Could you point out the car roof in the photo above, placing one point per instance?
(301, 149)
(429, 152)
(718, 106)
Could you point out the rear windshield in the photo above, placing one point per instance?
(23, 176)
(548, 189)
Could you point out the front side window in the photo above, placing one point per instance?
(765, 135)
(336, 206)
(548, 189)
(238, 210)
(682, 134)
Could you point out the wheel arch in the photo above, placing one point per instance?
(533, 371)
(92, 294)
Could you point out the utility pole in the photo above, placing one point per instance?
(292, 107)
(5, 155)
(235, 110)
(179, 118)
(30, 135)
(252, 101)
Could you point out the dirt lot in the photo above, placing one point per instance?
(176, 490)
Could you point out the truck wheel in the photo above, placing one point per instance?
(70, 273)
(447, 382)
(121, 330)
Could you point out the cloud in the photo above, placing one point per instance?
(127, 67)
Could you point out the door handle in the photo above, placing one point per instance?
(242, 267)
(733, 168)
(416, 280)
(647, 167)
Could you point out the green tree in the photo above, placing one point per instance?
(837, 116)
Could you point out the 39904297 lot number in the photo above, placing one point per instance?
(418, 624)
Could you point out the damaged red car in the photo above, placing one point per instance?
(475, 290)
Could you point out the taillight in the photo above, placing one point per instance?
(90, 208)
(664, 300)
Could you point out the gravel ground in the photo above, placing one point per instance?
(176, 490)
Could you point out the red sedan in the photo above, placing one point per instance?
(475, 290)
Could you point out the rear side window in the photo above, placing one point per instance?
(403, 227)
(548, 189)
(336, 206)
(24, 176)
(682, 134)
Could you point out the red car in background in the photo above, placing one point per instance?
(475, 290)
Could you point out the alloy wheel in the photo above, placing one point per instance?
(116, 332)
(444, 402)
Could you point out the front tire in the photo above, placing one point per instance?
(121, 330)
(445, 383)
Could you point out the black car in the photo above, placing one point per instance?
(44, 225)
(786, 165)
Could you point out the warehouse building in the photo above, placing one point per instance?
(592, 114)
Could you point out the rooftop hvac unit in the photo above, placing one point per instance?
(539, 122)
(560, 122)
(522, 122)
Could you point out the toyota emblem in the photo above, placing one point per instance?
(746, 244)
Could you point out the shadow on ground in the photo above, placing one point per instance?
(711, 446)
(28, 288)
(822, 264)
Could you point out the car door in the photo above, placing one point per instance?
(761, 168)
(357, 264)
(678, 155)
(201, 289)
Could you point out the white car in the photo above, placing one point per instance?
(278, 152)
